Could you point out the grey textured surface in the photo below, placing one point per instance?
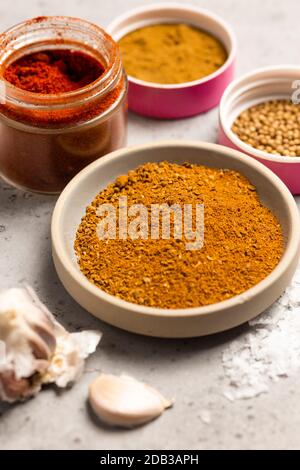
(191, 371)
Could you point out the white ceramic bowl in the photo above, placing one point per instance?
(173, 323)
(184, 99)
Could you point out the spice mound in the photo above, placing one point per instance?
(272, 126)
(53, 71)
(171, 53)
(243, 240)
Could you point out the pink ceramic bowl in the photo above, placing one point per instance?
(180, 100)
(258, 86)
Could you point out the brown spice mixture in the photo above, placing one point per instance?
(243, 240)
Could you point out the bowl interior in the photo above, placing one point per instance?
(252, 89)
(174, 13)
(84, 187)
(170, 14)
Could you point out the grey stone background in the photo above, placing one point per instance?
(189, 370)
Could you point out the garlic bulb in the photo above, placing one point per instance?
(124, 401)
(33, 341)
(27, 332)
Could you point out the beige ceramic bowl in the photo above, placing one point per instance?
(161, 322)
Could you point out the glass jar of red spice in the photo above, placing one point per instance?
(63, 101)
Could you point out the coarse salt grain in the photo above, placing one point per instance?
(269, 351)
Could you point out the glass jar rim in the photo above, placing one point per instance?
(11, 41)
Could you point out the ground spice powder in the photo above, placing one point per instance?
(65, 101)
(53, 71)
(243, 239)
(171, 53)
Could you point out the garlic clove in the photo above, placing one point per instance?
(12, 388)
(67, 362)
(27, 331)
(124, 401)
(21, 311)
(42, 343)
(38, 350)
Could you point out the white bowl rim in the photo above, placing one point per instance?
(191, 8)
(242, 146)
(291, 248)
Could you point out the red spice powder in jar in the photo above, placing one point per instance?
(53, 71)
(65, 101)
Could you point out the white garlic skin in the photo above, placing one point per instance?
(68, 360)
(124, 401)
(28, 334)
(38, 349)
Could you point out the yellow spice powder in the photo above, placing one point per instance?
(243, 240)
(171, 53)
